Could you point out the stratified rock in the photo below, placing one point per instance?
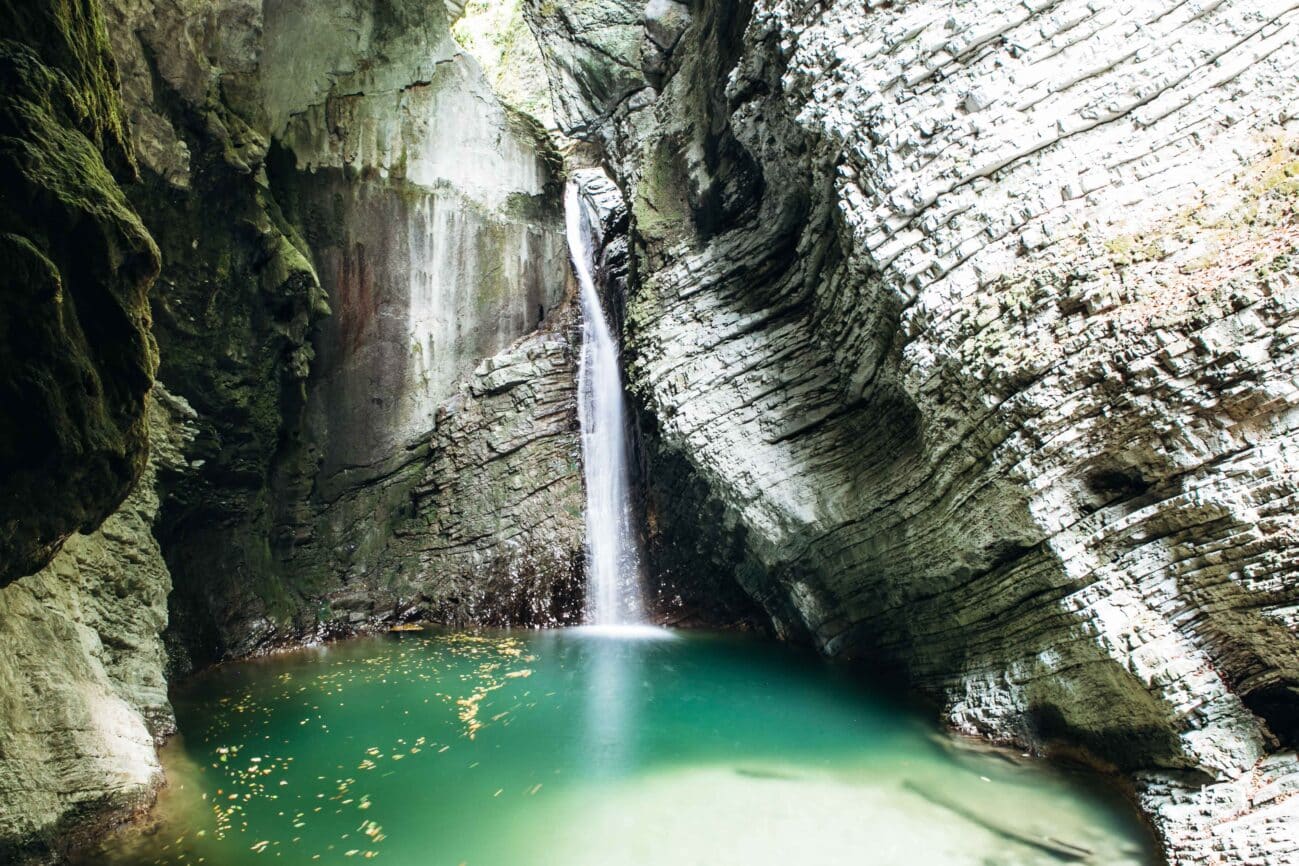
(978, 326)
(592, 50)
(480, 523)
(351, 222)
(76, 356)
(82, 695)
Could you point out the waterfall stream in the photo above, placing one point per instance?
(612, 558)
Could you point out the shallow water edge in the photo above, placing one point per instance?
(578, 746)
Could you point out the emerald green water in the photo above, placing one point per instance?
(572, 747)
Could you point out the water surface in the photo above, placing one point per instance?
(578, 747)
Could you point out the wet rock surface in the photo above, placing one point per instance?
(83, 698)
(393, 225)
(478, 522)
(975, 328)
(963, 341)
(76, 355)
(362, 295)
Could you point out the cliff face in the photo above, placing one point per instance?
(83, 699)
(83, 586)
(364, 296)
(479, 522)
(973, 333)
(76, 355)
(351, 222)
(963, 338)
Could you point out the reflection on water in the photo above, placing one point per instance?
(610, 692)
(610, 725)
(584, 747)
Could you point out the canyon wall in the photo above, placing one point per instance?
(971, 333)
(363, 296)
(963, 339)
(83, 697)
(351, 223)
(76, 355)
(84, 433)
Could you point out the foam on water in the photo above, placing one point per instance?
(624, 632)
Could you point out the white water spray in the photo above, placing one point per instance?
(612, 559)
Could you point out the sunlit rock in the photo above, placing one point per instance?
(970, 334)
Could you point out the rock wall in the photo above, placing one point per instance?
(76, 356)
(83, 699)
(351, 222)
(237, 298)
(481, 522)
(409, 452)
(84, 434)
(976, 326)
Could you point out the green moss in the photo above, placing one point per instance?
(1120, 246)
(76, 354)
(70, 38)
(1279, 264)
(1133, 249)
(1280, 176)
(495, 33)
(532, 208)
(1284, 180)
(234, 319)
(662, 208)
(527, 127)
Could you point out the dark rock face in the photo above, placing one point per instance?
(411, 452)
(76, 355)
(968, 413)
(478, 522)
(83, 699)
(233, 310)
(84, 435)
(351, 223)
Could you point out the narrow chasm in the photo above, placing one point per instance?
(641, 433)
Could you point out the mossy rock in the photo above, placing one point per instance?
(76, 355)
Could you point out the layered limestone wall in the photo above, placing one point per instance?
(976, 325)
(83, 699)
(480, 523)
(351, 223)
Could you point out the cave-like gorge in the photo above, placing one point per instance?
(960, 342)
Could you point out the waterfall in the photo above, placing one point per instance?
(612, 558)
